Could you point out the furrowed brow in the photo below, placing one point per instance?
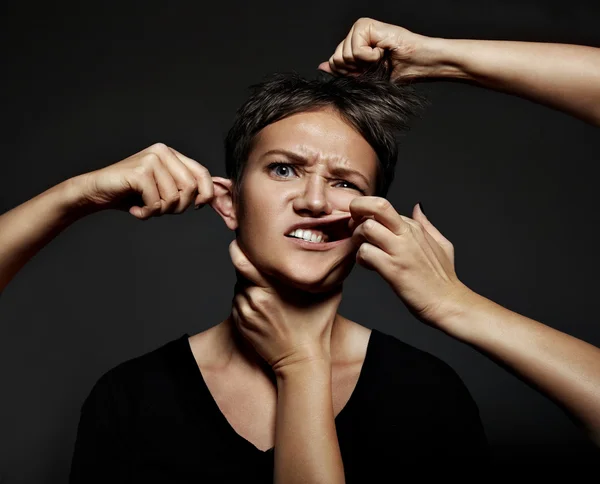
(335, 171)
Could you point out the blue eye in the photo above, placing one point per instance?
(287, 167)
(282, 169)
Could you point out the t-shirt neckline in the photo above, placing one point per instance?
(202, 392)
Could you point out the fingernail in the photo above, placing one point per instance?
(196, 207)
(421, 207)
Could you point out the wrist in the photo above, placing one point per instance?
(73, 192)
(309, 368)
(437, 57)
(462, 314)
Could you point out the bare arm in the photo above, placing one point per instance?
(562, 76)
(564, 368)
(165, 180)
(27, 228)
(306, 444)
(293, 336)
(566, 77)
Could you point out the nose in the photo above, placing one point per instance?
(314, 199)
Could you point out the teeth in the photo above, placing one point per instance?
(308, 235)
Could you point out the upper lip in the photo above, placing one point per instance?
(316, 222)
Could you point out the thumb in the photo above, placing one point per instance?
(324, 66)
(419, 216)
(244, 266)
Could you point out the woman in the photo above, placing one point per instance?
(285, 364)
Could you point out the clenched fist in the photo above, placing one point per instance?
(366, 44)
(155, 181)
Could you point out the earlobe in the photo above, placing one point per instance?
(222, 202)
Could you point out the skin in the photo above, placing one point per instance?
(275, 199)
(418, 261)
(564, 77)
(409, 253)
(288, 309)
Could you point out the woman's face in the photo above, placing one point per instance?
(328, 164)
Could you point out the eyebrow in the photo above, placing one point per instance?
(335, 171)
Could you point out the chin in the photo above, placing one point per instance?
(311, 279)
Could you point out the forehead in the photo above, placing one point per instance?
(320, 136)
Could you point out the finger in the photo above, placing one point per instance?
(354, 223)
(336, 61)
(167, 188)
(247, 315)
(145, 185)
(381, 210)
(372, 258)
(433, 235)
(186, 182)
(364, 47)
(244, 266)
(364, 44)
(442, 241)
(239, 312)
(376, 234)
(242, 305)
(203, 178)
(347, 53)
(324, 66)
(257, 297)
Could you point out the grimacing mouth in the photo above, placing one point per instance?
(335, 230)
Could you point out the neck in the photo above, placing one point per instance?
(291, 296)
(241, 352)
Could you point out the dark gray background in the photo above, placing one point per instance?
(506, 180)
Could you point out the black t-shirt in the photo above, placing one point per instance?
(153, 419)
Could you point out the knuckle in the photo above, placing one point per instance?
(150, 159)
(144, 170)
(382, 204)
(190, 187)
(362, 251)
(173, 198)
(155, 209)
(259, 296)
(159, 147)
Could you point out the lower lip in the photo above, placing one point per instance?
(317, 245)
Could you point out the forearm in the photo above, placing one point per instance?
(564, 368)
(563, 76)
(306, 445)
(27, 228)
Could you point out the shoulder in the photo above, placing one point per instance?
(408, 365)
(135, 375)
(423, 384)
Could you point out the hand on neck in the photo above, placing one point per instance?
(295, 300)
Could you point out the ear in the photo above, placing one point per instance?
(222, 202)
